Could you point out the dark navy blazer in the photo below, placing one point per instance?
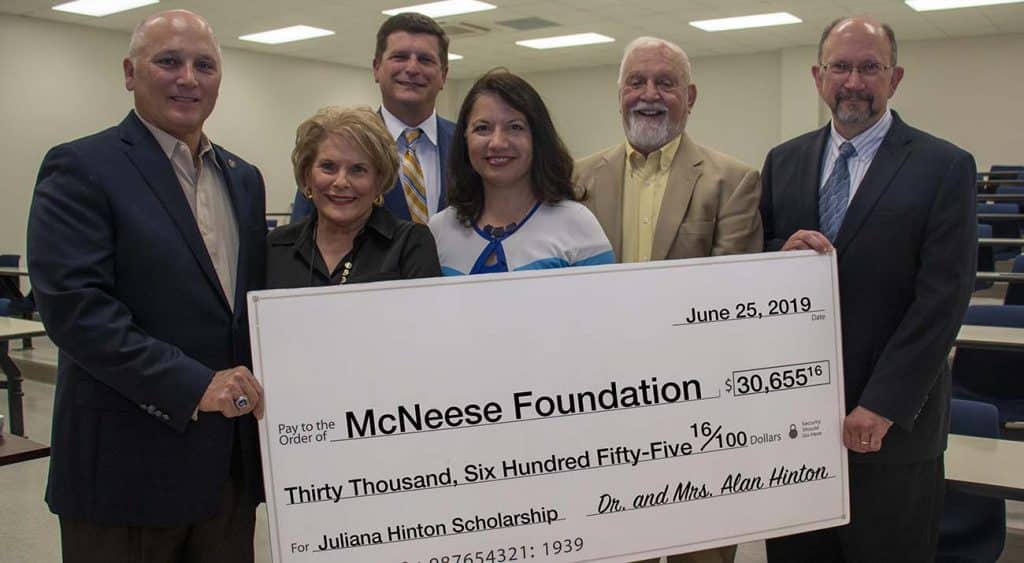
(906, 253)
(128, 292)
(394, 199)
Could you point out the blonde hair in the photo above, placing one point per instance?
(360, 126)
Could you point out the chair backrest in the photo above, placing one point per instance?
(973, 528)
(1002, 228)
(974, 418)
(1018, 190)
(997, 208)
(991, 375)
(1008, 168)
(995, 315)
(1015, 291)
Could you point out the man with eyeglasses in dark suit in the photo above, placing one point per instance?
(897, 206)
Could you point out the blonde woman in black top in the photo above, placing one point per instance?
(344, 161)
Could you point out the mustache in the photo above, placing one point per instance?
(648, 106)
(847, 95)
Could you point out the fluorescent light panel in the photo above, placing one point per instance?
(442, 9)
(453, 57)
(929, 5)
(746, 22)
(100, 8)
(286, 34)
(565, 41)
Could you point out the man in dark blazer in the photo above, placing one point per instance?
(897, 206)
(143, 240)
(410, 64)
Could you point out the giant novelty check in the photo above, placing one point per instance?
(607, 413)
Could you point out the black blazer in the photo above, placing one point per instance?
(906, 252)
(386, 249)
(128, 293)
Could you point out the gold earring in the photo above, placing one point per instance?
(308, 194)
(379, 201)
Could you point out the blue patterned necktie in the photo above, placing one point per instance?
(834, 195)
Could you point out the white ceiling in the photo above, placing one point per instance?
(356, 21)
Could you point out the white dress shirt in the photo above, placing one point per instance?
(866, 144)
(427, 152)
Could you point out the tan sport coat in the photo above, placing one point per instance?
(710, 207)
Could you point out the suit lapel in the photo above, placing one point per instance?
(606, 191)
(445, 131)
(682, 177)
(394, 199)
(890, 157)
(152, 164)
(237, 192)
(810, 181)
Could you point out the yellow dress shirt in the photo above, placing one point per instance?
(642, 191)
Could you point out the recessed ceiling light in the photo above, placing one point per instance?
(442, 9)
(286, 34)
(101, 7)
(566, 41)
(454, 57)
(929, 5)
(746, 22)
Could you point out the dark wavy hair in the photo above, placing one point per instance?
(551, 164)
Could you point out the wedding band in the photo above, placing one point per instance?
(241, 402)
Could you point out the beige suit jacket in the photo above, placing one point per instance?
(710, 207)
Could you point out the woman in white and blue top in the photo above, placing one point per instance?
(513, 205)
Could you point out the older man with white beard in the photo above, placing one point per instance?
(660, 196)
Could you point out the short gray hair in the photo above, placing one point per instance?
(646, 42)
(136, 42)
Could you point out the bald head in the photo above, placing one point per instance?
(845, 25)
(173, 19)
(856, 74)
(174, 69)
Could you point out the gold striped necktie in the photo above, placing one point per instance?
(413, 184)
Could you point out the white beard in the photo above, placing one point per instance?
(645, 134)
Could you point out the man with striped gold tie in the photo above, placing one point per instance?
(410, 64)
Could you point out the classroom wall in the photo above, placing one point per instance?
(63, 81)
(965, 90)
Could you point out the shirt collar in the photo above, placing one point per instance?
(396, 127)
(381, 222)
(169, 143)
(868, 141)
(666, 154)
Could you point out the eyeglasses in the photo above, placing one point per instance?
(865, 69)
